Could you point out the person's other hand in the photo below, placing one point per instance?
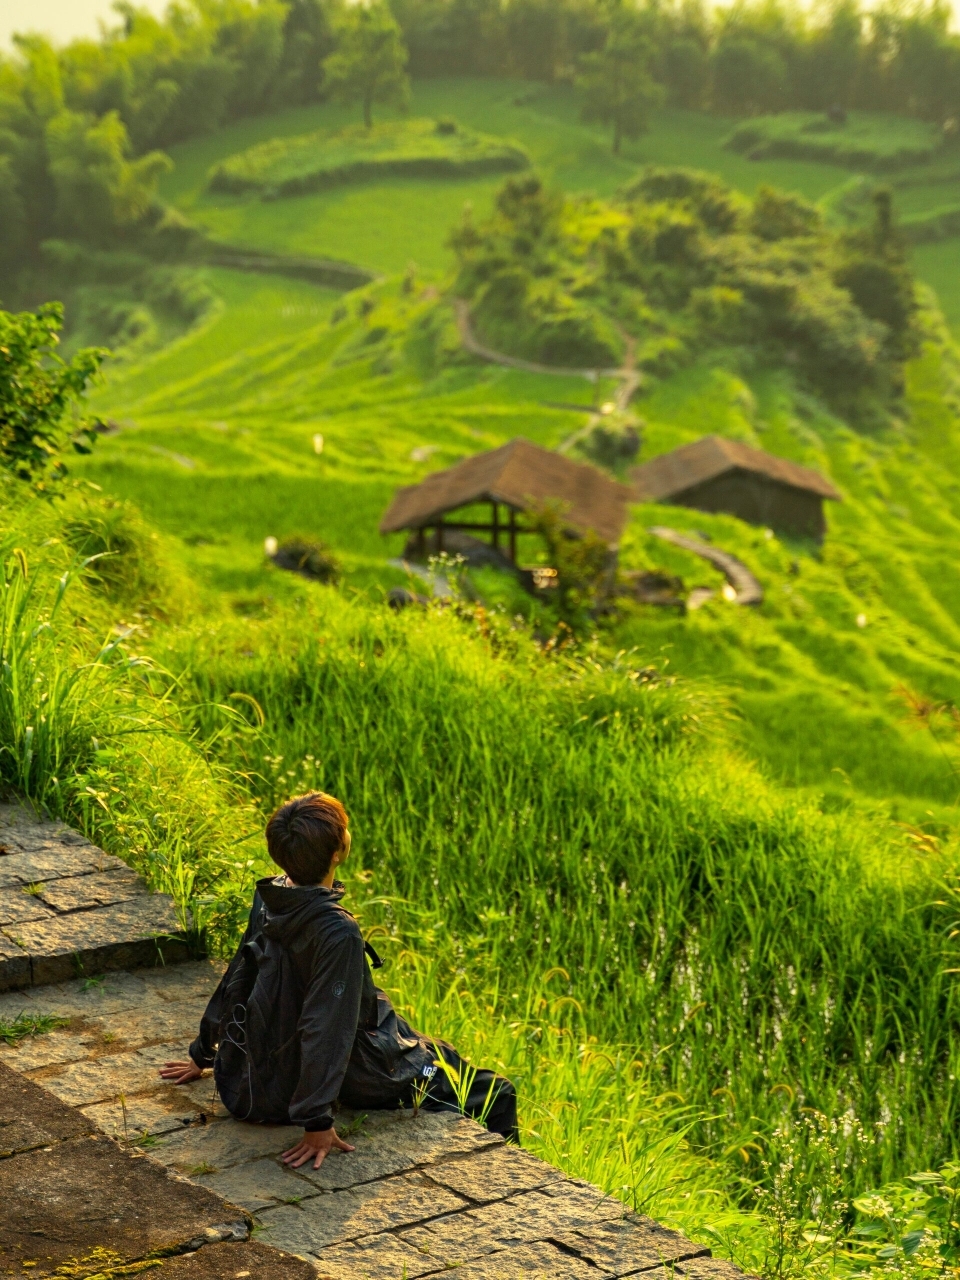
(180, 1072)
(316, 1147)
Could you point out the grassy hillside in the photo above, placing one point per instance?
(384, 226)
(559, 855)
(216, 447)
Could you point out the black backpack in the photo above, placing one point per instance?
(261, 1006)
(261, 997)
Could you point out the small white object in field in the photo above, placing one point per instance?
(608, 407)
(422, 452)
(768, 534)
(729, 593)
(318, 443)
(861, 619)
(270, 546)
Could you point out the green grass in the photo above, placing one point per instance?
(869, 140)
(939, 265)
(217, 449)
(26, 1025)
(318, 161)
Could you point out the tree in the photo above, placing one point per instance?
(370, 62)
(99, 190)
(748, 77)
(40, 393)
(616, 83)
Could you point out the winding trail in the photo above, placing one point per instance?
(748, 589)
(628, 375)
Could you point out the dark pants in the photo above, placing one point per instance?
(491, 1099)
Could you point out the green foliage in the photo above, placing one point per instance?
(98, 190)
(121, 299)
(584, 565)
(616, 83)
(315, 162)
(867, 139)
(911, 1228)
(748, 75)
(39, 394)
(369, 64)
(681, 264)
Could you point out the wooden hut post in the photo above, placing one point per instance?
(421, 543)
(495, 525)
(440, 536)
(513, 535)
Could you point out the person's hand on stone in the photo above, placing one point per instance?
(180, 1072)
(316, 1147)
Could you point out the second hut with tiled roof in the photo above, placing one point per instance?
(718, 475)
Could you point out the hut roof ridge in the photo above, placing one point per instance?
(517, 474)
(692, 464)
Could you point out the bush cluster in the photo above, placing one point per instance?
(680, 263)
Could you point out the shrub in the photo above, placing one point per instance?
(309, 557)
(38, 394)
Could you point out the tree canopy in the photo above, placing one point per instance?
(370, 61)
(616, 83)
(680, 264)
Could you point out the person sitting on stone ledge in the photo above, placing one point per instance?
(297, 1026)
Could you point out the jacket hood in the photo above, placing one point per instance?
(289, 909)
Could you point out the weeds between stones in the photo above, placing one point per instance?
(12, 1031)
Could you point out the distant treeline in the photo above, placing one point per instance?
(83, 127)
(750, 58)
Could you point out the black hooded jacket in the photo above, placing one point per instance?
(352, 1045)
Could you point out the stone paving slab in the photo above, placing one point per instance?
(520, 1219)
(539, 1261)
(495, 1174)
(379, 1257)
(28, 1120)
(259, 1184)
(629, 1246)
(161, 1112)
(79, 1084)
(80, 1192)
(68, 908)
(395, 1142)
(248, 1259)
(341, 1216)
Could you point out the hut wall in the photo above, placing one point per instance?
(758, 501)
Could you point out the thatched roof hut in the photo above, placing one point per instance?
(519, 476)
(714, 474)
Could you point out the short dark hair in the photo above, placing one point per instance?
(305, 833)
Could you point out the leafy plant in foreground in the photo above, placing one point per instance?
(912, 1228)
(40, 394)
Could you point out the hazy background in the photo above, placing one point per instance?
(62, 19)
